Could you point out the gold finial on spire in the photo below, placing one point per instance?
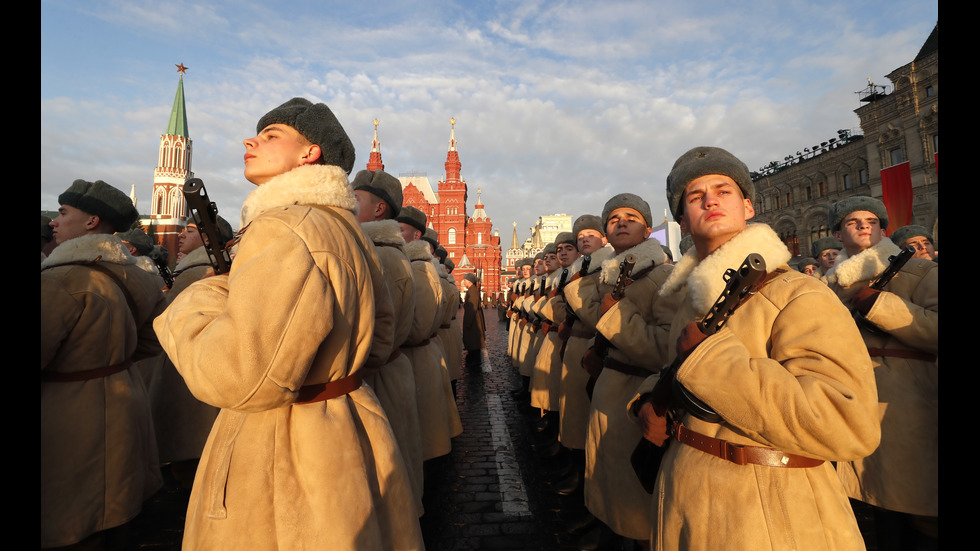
(376, 121)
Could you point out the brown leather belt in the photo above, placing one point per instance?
(900, 353)
(740, 454)
(545, 328)
(325, 391)
(419, 345)
(625, 368)
(583, 333)
(394, 355)
(88, 374)
(445, 326)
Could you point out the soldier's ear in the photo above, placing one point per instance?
(312, 155)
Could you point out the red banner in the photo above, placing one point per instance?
(896, 193)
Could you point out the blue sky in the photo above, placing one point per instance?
(559, 105)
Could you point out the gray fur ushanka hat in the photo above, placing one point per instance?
(102, 200)
(903, 234)
(627, 200)
(566, 237)
(588, 222)
(383, 185)
(840, 210)
(413, 217)
(824, 243)
(702, 161)
(137, 238)
(317, 123)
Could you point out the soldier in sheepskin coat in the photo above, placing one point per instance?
(788, 375)
(302, 454)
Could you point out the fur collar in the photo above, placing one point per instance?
(649, 253)
(194, 258)
(147, 265)
(319, 185)
(551, 280)
(704, 278)
(863, 266)
(595, 264)
(89, 247)
(418, 250)
(384, 232)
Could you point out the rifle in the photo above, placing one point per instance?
(586, 260)
(164, 269)
(205, 214)
(895, 264)
(669, 394)
(594, 358)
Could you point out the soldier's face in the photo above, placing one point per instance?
(859, 230)
(277, 149)
(409, 233)
(189, 239)
(550, 262)
(71, 223)
(525, 271)
(590, 241)
(539, 267)
(626, 228)
(567, 255)
(827, 259)
(714, 212)
(923, 247)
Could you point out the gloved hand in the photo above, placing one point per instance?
(864, 299)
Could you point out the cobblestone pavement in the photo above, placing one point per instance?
(489, 493)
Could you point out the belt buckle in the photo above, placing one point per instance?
(733, 452)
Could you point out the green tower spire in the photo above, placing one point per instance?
(178, 115)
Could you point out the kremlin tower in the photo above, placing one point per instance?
(168, 211)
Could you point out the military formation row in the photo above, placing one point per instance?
(726, 400)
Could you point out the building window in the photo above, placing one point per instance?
(847, 181)
(809, 193)
(479, 238)
(789, 198)
(863, 175)
(896, 156)
(452, 236)
(823, 189)
(930, 91)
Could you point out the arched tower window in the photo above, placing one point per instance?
(452, 236)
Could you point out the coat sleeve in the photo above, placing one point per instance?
(807, 387)
(914, 321)
(638, 325)
(246, 340)
(60, 312)
(582, 296)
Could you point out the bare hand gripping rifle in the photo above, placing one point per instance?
(205, 214)
(669, 395)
